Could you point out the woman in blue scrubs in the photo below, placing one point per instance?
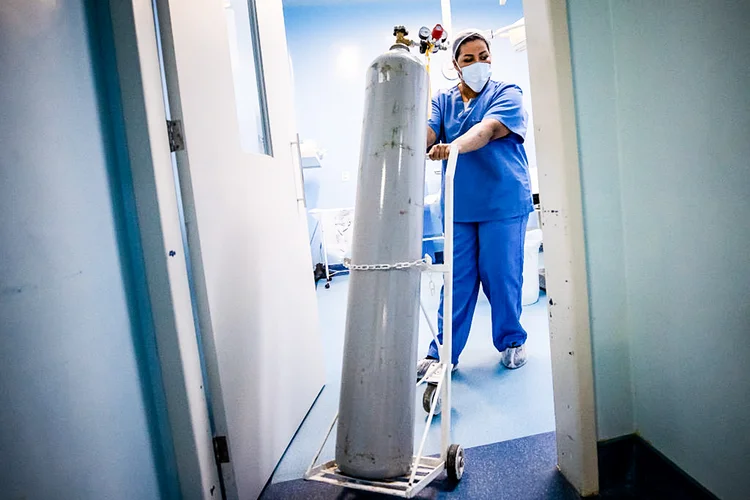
(485, 119)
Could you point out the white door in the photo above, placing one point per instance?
(228, 82)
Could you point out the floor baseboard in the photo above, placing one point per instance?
(630, 467)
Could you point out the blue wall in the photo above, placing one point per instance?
(598, 141)
(81, 404)
(664, 126)
(332, 44)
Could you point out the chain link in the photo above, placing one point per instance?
(386, 267)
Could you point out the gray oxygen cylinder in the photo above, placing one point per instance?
(375, 435)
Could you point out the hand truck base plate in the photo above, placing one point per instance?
(429, 469)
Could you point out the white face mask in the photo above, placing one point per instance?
(476, 75)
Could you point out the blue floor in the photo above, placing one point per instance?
(521, 469)
(490, 403)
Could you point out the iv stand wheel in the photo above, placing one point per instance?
(430, 395)
(455, 462)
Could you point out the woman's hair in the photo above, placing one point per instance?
(467, 36)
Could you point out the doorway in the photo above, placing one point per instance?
(550, 75)
(491, 403)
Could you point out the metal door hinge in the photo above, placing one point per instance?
(176, 136)
(221, 450)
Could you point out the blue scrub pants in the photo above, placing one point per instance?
(490, 253)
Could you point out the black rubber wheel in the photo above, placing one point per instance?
(430, 392)
(455, 462)
(328, 285)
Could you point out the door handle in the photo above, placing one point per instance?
(301, 196)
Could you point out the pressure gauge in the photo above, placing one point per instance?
(424, 33)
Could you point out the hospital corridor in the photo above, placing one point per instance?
(374, 249)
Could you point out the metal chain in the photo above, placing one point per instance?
(386, 267)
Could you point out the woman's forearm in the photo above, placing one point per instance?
(477, 137)
(480, 135)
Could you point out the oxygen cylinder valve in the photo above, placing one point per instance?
(401, 33)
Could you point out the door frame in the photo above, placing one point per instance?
(551, 77)
(562, 218)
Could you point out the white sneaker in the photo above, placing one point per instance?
(514, 357)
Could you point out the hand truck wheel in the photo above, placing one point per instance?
(430, 394)
(455, 462)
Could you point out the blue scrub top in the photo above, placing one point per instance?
(491, 183)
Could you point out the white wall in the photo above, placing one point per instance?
(77, 408)
(671, 78)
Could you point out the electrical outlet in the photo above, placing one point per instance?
(345, 176)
